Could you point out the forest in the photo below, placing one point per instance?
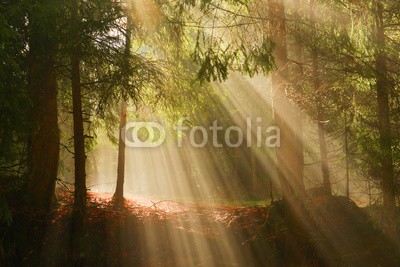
(200, 133)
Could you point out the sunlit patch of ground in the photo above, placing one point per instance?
(148, 232)
(151, 209)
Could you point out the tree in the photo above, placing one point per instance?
(119, 190)
(295, 78)
(377, 70)
(44, 140)
(382, 90)
(30, 49)
(320, 109)
(78, 216)
(15, 102)
(93, 58)
(289, 162)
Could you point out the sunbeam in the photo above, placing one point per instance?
(199, 133)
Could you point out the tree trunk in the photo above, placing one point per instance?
(254, 176)
(45, 138)
(298, 120)
(289, 164)
(326, 181)
(44, 141)
(79, 139)
(320, 111)
(385, 135)
(346, 151)
(78, 216)
(119, 191)
(287, 158)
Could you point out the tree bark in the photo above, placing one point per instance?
(298, 120)
(346, 151)
(323, 150)
(45, 138)
(287, 156)
(254, 172)
(320, 111)
(79, 139)
(289, 164)
(119, 191)
(385, 135)
(78, 216)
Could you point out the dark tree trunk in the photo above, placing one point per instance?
(326, 181)
(119, 191)
(44, 141)
(79, 139)
(385, 135)
(78, 216)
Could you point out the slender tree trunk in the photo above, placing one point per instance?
(369, 192)
(254, 176)
(326, 181)
(79, 209)
(385, 135)
(119, 191)
(320, 111)
(79, 139)
(346, 151)
(78, 216)
(271, 189)
(298, 120)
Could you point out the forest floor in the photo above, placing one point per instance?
(167, 233)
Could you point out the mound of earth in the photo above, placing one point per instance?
(334, 231)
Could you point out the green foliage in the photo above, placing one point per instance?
(213, 65)
(227, 39)
(14, 101)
